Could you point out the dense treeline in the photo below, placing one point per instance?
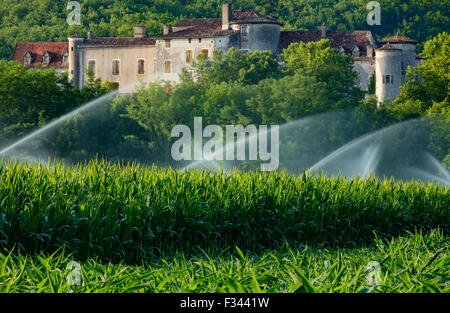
(45, 20)
(33, 97)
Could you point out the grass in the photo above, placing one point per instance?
(415, 263)
(132, 213)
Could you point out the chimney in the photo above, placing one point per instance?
(324, 30)
(140, 32)
(167, 29)
(227, 15)
(90, 35)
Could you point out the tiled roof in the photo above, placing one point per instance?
(197, 28)
(388, 48)
(214, 23)
(398, 39)
(212, 27)
(249, 16)
(345, 39)
(118, 41)
(56, 51)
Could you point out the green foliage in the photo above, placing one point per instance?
(439, 120)
(414, 264)
(33, 97)
(235, 66)
(430, 81)
(131, 213)
(427, 92)
(317, 59)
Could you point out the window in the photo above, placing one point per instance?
(205, 52)
(91, 66)
(116, 67)
(66, 57)
(244, 30)
(168, 66)
(199, 40)
(244, 51)
(115, 86)
(46, 58)
(141, 66)
(403, 69)
(27, 58)
(167, 41)
(190, 40)
(189, 56)
(154, 65)
(388, 79)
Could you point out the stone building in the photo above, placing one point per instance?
(392, 61)
(122, 61)
(129, 61)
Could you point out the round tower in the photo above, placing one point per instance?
(258, 33)
(74, 59)
(408, 47)
(388, 72)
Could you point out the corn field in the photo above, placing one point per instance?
(136, 228)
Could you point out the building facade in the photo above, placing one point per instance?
(127, 62)
(392, 62)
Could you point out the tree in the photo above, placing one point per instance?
(35, 96)
(319, 60)
(235, 66)
(429, 82)
(426, 92)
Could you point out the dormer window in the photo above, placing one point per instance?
(66, 57)
(46, 58)
(27, 58)
(341, 51)
(355, 52)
